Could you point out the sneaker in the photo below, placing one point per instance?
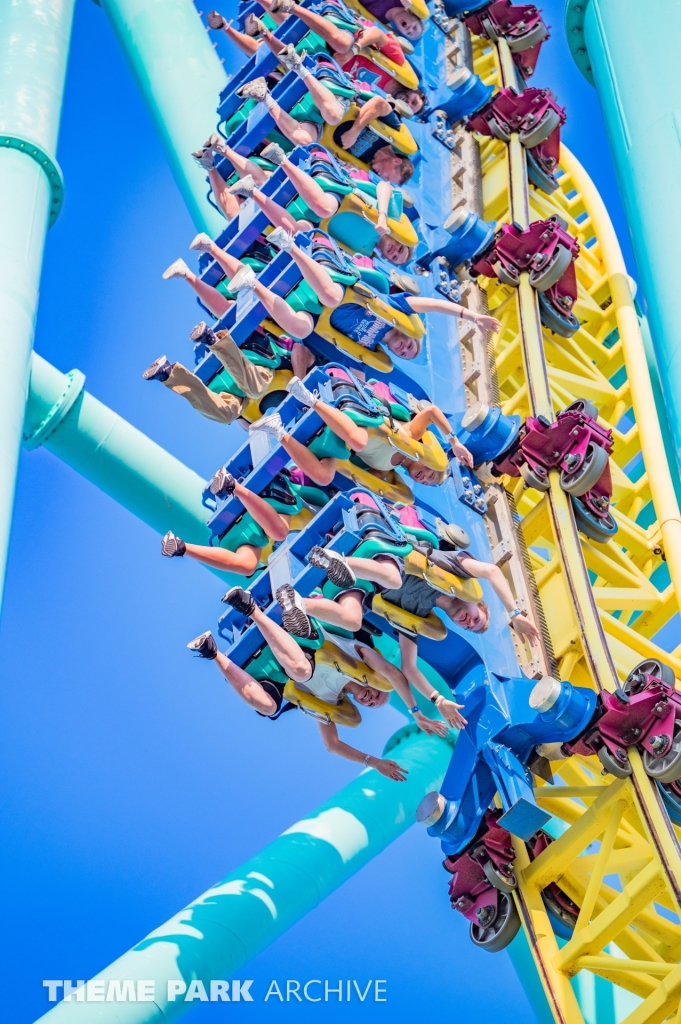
(289, 58)
(240, 599)
(172, 546)
(202, 242)
(244, 280)
(294, 618)
(296, 388)
(271, 424)
(256, 89)
(243, 187)
(281, 239)
(274, 153)
(203, 333)
(216, 143)
(253, 26)
(282, 6)
(204, 646)
(222, 484)
(177, 269)
(215, 20)
(204, 158)
(159, 370)
(334, 565)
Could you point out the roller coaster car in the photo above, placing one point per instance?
(645, 713)
(432, 626)
(377, 358)
(547, 253)
(371, 67)
(521, 25)
(334, 657)
(401, 139)
(390, 486)
(576, 444)
(417, 564)
(344, 228)
(343, 713)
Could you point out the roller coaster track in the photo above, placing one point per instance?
(617, 855)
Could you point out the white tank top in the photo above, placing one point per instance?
(378, 454)
(326, 682)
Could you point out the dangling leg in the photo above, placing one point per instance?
(248, 688)
(278, 215)
(383, 571)
(244, 561)
(276, 526)
(322, 471)
(328, 291)
(355, 437)
(346, 611)
(288, 653)
(324, 204)
(228, 203)
(210, 297)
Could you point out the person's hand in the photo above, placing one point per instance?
(487, 323)
(431, 727)
(382, 225)
(390, 769)
(348, 138)
(526, 628)
(450, 712)
(461, 452)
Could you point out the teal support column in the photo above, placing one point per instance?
(181, 77)
(630, 53)
(217, 934)
(34, 46)
(111, 453)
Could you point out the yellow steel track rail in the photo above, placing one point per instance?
(619, 858)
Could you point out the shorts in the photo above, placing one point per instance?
(276, 692)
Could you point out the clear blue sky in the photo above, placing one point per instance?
(131, 780)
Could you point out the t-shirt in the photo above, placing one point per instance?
(416, 595)
(363, 326)
(380, 8)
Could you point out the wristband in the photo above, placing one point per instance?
(436, 698)
(414, 710)
(514, 614)
(365, 762)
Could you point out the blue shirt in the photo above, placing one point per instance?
(361, 325)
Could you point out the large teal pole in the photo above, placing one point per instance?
(217, 934)
(111, 453)
(630, 53)
(34, 46)
(181, 77)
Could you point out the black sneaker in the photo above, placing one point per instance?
(334, 565)
(204, 646)
(172, 546)
(203, 333)
(294, 618)
(222, 484)
(240, 599)
(159, 370)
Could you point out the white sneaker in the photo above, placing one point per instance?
(270, 424)
(296, 388)
(274, 153)
(256, 89)
(216, 143)
(294, 617)
(202, 242)
(244, 280)
(243, 187)
(177, 269)
(282, 239)
(253, 26)
(204, 158)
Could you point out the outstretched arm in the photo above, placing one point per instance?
(421, 304)
(330, 738)
(418, 425)
(523, 625)
(447, 708)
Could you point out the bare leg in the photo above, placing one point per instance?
(329, 292)
(243, 561)
(328, 105)
(298, 325)
(385, 573)
(295, 131)
(228, 203)
(278, 215)
(302, 360)
(248, 688)
(346, 612)
(337, 38)
(243, 166)
(355, 437)
(288, 653)
(276, 526)
(210, 297)
(322, 471)
(246, 44)
(279, 18)
(323, 203)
